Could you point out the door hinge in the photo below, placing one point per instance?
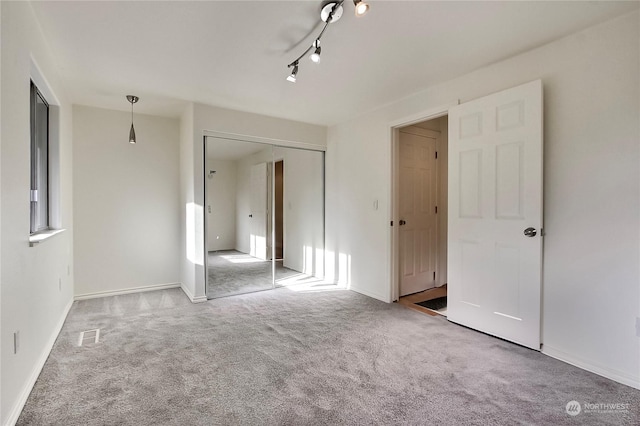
(34, 195)
(436, 155)
(436, 209)
(391, 223)
(434, 275)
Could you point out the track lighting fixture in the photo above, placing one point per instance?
(361, 7)
(331, 12)
(315, 56)
(292, 76)
(132, 133)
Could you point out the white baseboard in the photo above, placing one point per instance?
(126, 291)
(370, 294)
(191, 297)
(600, 370)
(37, 368)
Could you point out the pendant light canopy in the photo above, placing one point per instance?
(132, 132)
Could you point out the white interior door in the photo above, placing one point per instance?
(495, 201)
(258, 236)
(418, 224)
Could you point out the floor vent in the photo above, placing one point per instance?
(89, 337)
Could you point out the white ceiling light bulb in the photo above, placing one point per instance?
(292, 76)
(315, 56)
(361, 7)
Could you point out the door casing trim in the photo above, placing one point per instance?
(393, 253)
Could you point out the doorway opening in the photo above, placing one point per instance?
(494, 220)
(420, 206)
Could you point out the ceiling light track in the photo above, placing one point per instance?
(331, 12)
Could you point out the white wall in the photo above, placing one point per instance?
(592, 190)
(36, 282)
(221, 193)
(126, 199)
(195, 121)
(187, 228)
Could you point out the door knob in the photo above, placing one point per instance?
(250, 215)
(530, 232)
(403, 222)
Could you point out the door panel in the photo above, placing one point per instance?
(470, 183)
(418, 225)
(495, 189)
(471, 266)
(509, 180)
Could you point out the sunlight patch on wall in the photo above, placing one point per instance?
(330, 271)
(195, 234)
(319, 270)
(344, 269)
(307, 260)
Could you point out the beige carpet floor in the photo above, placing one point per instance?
(283, 357)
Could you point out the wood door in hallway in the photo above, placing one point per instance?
(418, 224)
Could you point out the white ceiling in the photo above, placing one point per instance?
(234, 54)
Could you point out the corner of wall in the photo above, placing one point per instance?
(190, 295)
(187, 272)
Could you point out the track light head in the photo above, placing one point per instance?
(294, 73)
(315, 56)
(132, 135)
(361, 7)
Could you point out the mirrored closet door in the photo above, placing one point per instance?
(264, 216)
(238, 192)
(298, 221)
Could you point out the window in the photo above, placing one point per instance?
(39, 161)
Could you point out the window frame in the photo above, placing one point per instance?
(37, 223)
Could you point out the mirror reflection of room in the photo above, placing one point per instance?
(237, 196)
(298, 216)
(265, 216)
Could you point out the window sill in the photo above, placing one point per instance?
(36, 239)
